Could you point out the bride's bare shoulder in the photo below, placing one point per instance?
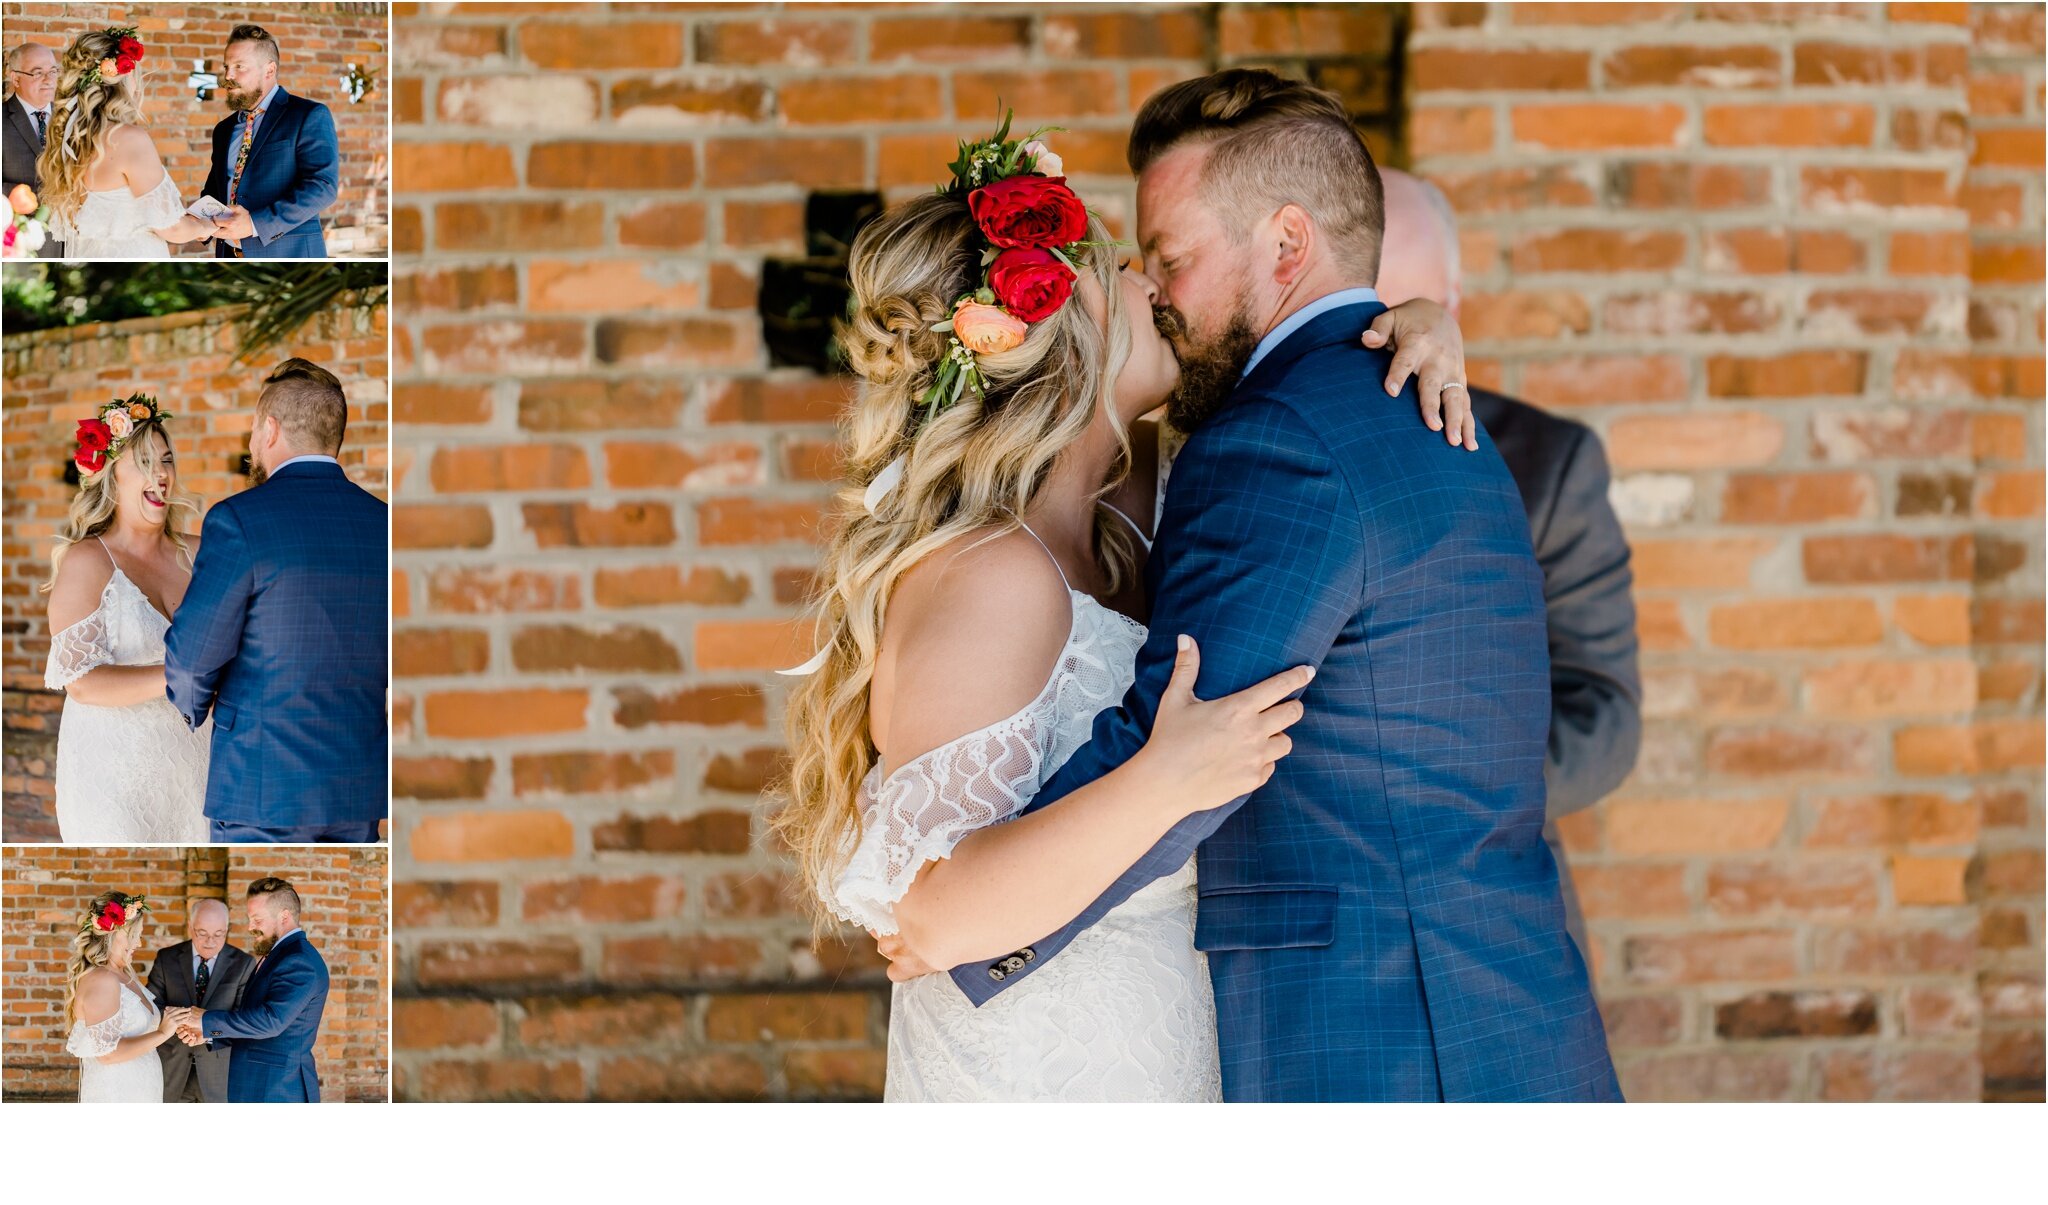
(970, 635)
(82, 575)
(99, 992)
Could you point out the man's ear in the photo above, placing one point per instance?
(1295, 234)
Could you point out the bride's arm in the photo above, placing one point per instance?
(80, 640)
(99, 998)
(1009, 883)
(1426, 342)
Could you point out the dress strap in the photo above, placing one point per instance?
(111, 558)
(1048, 550)
(1133, 525)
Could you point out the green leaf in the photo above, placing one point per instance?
(946, 326)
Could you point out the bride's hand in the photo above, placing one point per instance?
(169, 1024)
(1425, 340)
(1217, 750)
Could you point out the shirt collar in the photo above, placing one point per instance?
(1302, 317)
(263, 106)
(29, 108)
(308, 456)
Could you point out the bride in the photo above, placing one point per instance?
(983, 603)
(115, 1024)
(103, 180)
(128, 768)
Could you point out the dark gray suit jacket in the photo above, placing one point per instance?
(1596, 721)
(19, 148)
(203, 1068)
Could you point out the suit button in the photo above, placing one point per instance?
(996, 973)
(1027, 953)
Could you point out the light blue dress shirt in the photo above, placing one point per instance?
(1302, 317)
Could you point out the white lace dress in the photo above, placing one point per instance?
(117, 224)
(125, 775)
(1126, 1012)
(139, 1081)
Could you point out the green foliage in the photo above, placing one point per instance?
(281, 295)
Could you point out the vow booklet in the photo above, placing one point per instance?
(206, 208)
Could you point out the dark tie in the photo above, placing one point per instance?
(199, 983)
(42, 128)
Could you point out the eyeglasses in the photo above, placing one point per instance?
(42, 76)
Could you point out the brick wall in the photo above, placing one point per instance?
(1740, 241)
(346, 916)
(607, 506)
(54, 378)
(317, 41)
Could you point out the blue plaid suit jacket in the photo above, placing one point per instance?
(1382, 918)
(271, 1031)
(292, 176)
(284, 636)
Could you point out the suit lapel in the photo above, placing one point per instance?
(17, 115)
(279, 106)
(188, 975)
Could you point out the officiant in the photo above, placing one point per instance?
(30, 85)
(203, 971)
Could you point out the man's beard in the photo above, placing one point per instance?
(1208, 371)
(257, 473)
(261, 945)
(240, 99)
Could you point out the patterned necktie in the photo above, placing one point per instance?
(199, 983)
(242, 160)
(42, 124)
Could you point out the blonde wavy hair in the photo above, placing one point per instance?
(81, 117)
(92, 947)
(971, 470)
(94, 506)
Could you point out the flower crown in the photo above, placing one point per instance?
(101, 439)
(126, 56)
(115, 912)
(1035, 226)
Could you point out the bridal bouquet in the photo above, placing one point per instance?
(27, 224)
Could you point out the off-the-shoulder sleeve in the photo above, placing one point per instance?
(78, 650)
(96, 1040)
(160, 206)
(919, 813)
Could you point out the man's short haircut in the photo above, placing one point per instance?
(1273, 141)
(278, 890)
(257, 34)
(16, 54)
(308, 404)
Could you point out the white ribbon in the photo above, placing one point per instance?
(816, 663)
(885, 481)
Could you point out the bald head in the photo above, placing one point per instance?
(31, 74)
(1420, 256)
(207, 926)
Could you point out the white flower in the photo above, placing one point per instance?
(29, 239)
(1048, 163)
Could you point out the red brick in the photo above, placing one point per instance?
(603, 1022)
(667, 585)
(1795, 623)
(482, 714)
(1597, 249)
(1693, 441)
(474, 963)
(417, 905)
(935, 39)
(860, 100)
(582, 525)
(690, 101)
(1695, 826)
(1836, 1014)
(680, 1077)
(1889, 688)
(1147, 34)
(1794, 374)
(1715, 957)
(981, 96)
(621, 648)
(585, 773)
(716, 832)
(1797, 497)
(801, 44)
(451, 166)
(491, 836)
(1297, 29)
(1783, 125)
(1805, 888)
(787, 1017)
(1437, 68)
(602, 901)
(1839, 560)
(1701, 67)
(1597, 127)
(715, 706)
(586, 46)
(443, 1024)
(1784, 753)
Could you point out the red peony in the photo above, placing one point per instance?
(1031, 283)
(1029, 211)
(131, 49)
(94, 433)
(89, 460)
(113, 916)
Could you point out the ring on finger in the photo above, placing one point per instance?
(1447, 386)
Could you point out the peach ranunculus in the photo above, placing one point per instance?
(110, 70)
(139, 411)
(985, 329)
(120, 424)
(1047, 163)
(23, 200)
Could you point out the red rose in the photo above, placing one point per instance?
(131, 49)
(89, 460)
(1029, 211)
(94, 434)
(112, 916)
(1031, 283)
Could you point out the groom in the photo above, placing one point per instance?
(1383, 919)
(276, 162)
(284, 632)
(273, 1029)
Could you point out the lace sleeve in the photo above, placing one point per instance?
(160, 206)
(919, 813)
(78, 650)
(96, 1040)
